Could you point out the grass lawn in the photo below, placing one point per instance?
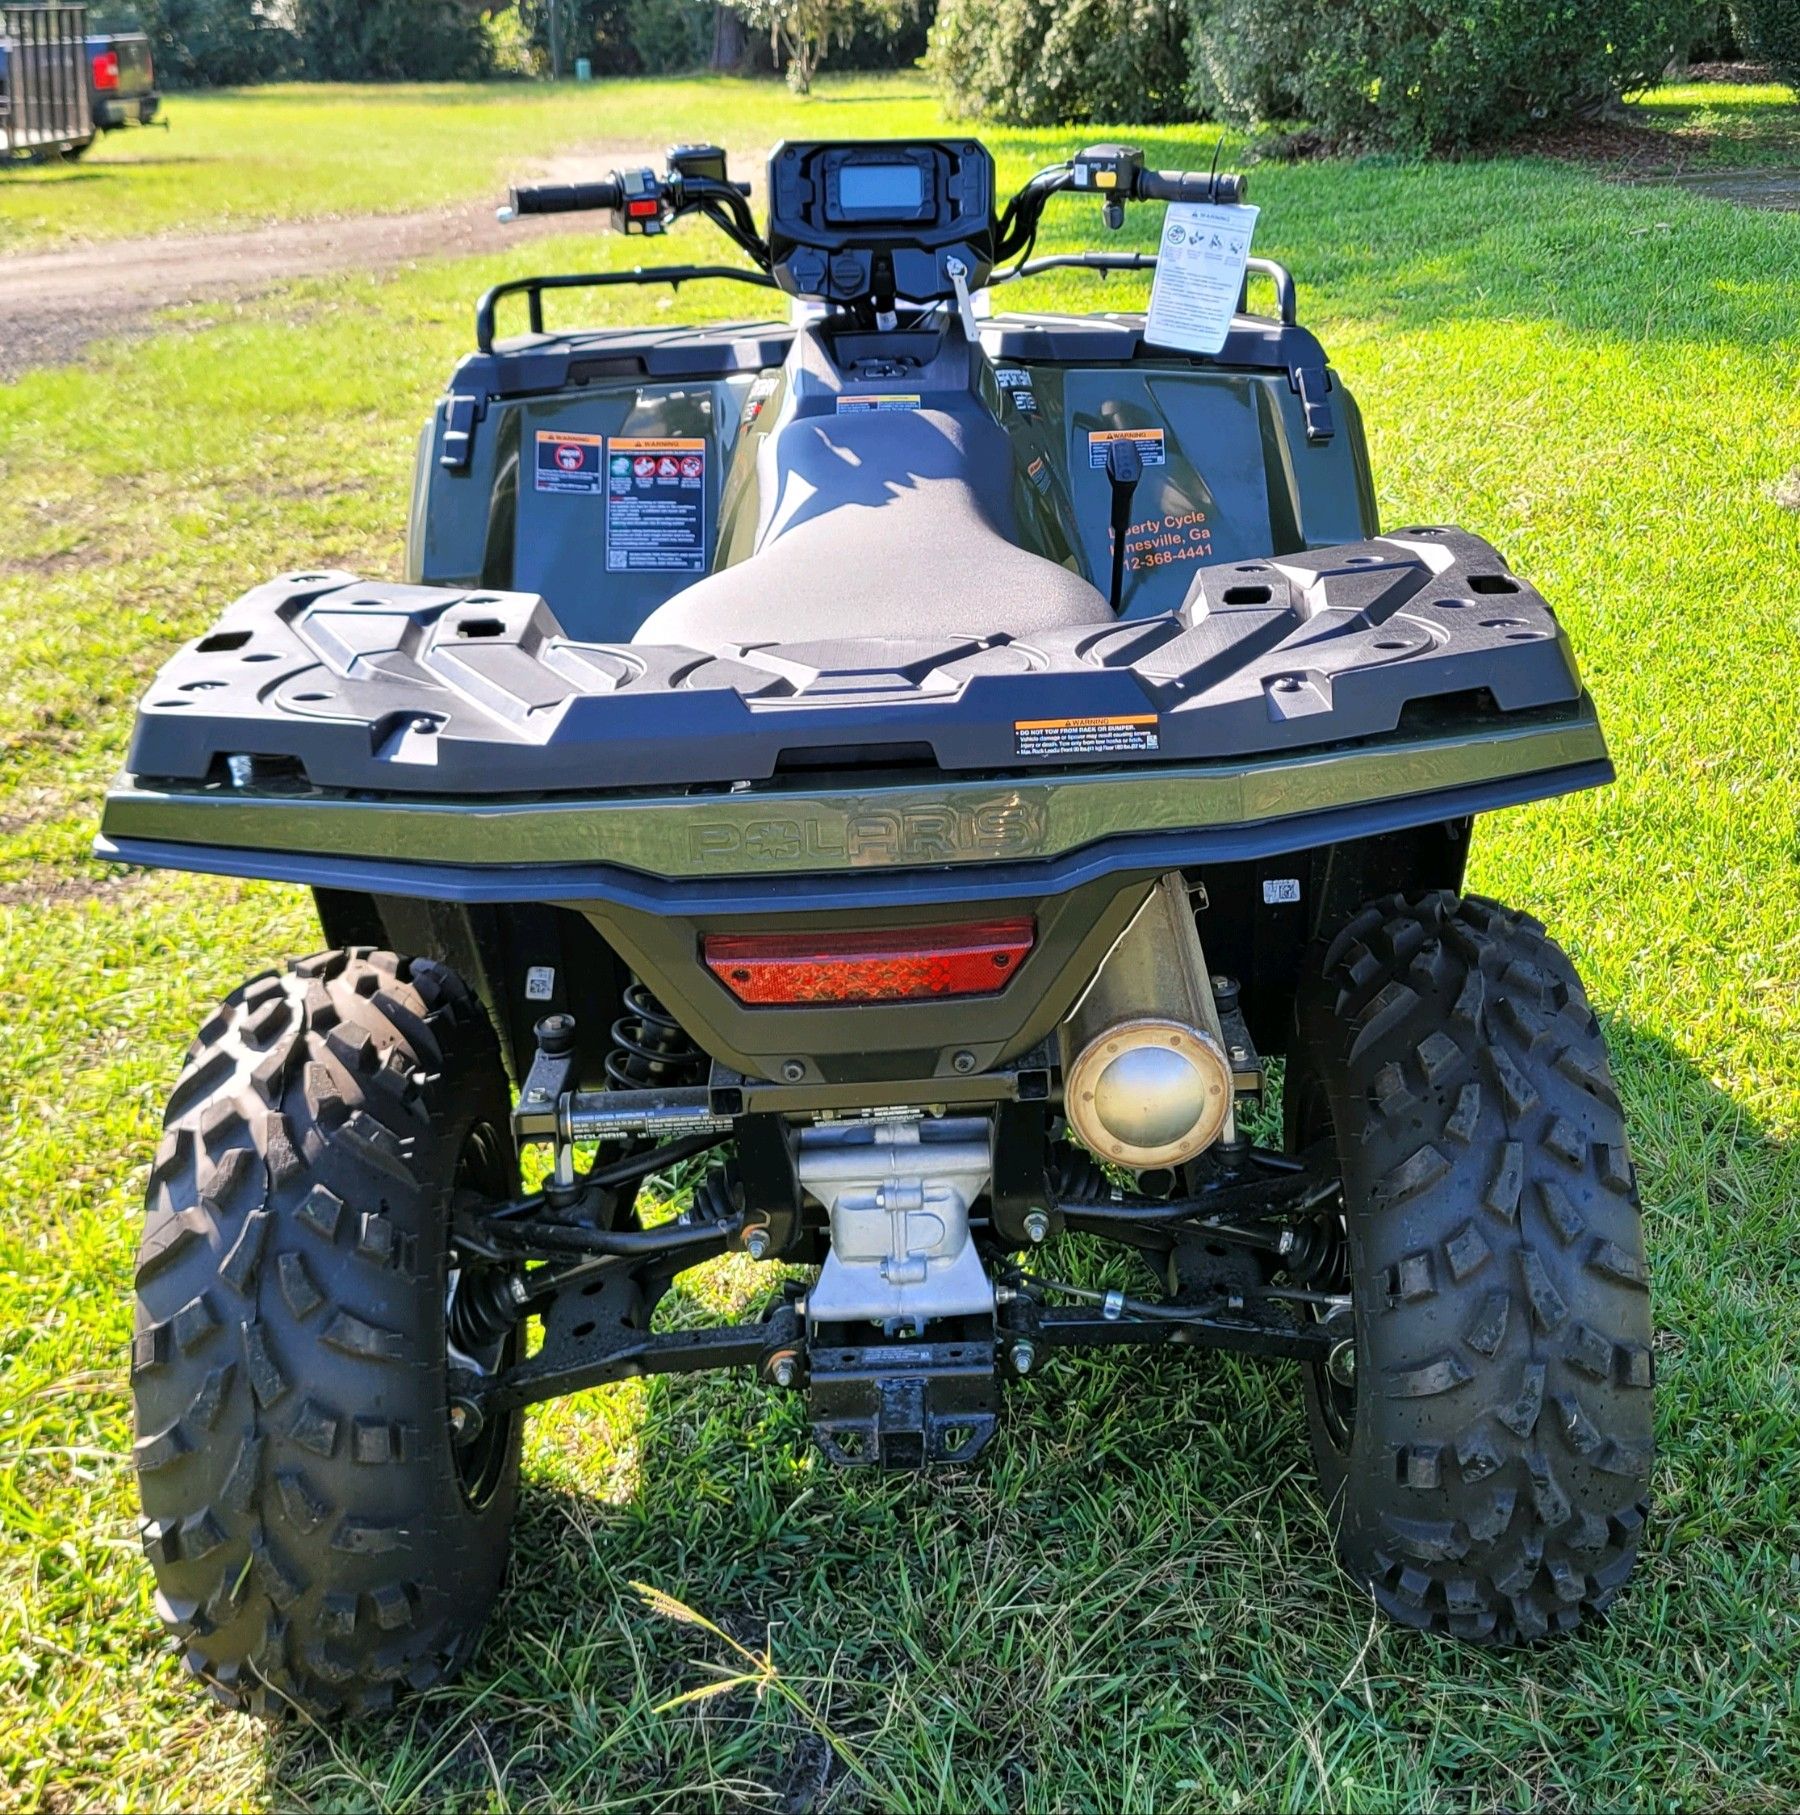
(1131, 1603)
(314, 150)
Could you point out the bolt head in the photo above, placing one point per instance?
(964, 1061)
(793, 1070)
(756, 1243)
(1037, 1227)
(1340, 1364)
(783, 1371)
(1023, 1356)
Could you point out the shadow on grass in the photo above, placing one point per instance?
(1138, 1565)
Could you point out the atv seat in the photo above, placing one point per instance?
(891, 523)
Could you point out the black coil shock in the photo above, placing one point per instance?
(649, 1048)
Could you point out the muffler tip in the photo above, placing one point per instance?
(1149, 1093)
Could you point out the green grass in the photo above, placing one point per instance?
(1725, 123)
(235, 159)
(1131, 1603)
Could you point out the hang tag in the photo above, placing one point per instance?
(1199, 275)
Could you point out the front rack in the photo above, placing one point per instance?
(533, 288)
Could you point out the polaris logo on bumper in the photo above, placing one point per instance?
(923, 833)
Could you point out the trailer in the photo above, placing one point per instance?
(45, 110)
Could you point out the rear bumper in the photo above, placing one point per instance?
(112, 112)
(910, 841)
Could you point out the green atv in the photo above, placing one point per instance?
(930, 761)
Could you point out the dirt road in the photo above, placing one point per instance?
(55, 304)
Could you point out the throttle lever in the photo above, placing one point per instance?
(1124, 468)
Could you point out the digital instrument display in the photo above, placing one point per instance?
(893, 190)
(880, 220)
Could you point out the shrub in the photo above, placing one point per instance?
(599, 30)
(668, 35)
(1769, 31)
(393, 40)
(1039, 62)
(1441, 75)
(208, 43)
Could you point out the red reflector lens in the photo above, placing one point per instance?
(895, 964)
(106, 69)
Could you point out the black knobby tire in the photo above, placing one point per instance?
(316, 1537)
(1489, 1472)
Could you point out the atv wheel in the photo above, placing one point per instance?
(317, 1537)
(1484, 1437)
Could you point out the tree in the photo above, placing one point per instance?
(1769, 30)
(1430, 75)
(393, 40)
(208, 43)
(801, 31)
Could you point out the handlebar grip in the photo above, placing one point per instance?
(563, 198)
(1191, 186)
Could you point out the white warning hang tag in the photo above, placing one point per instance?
(1199, 275)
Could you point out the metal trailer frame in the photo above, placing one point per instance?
(44, 100)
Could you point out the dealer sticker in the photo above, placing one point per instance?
(1150, 445)
(568, 463)
(656, 504)
(1066, 737)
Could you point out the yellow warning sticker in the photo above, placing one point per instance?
(1149, 445)
(1069, 737)
(568, 463)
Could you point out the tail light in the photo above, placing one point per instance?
(891, 964)
(106, 70)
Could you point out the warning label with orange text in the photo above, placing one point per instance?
(1150, 445)
(1072, 737)
(656, 504)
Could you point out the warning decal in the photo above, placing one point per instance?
(656, 504)
(568, 463)
(1085, 736)
(867, 403)
(1149, 445)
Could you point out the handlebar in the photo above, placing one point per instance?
(1190, 186)
(559, 198)
(644, 202)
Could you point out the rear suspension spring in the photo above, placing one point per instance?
(649, 1048)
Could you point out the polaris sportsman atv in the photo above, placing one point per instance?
(932, 764)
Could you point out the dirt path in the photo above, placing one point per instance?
(55, 304)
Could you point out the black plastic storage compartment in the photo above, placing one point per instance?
(514, 487)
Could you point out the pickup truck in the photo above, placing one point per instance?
(121, 80)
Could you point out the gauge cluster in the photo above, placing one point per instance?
(880, 221)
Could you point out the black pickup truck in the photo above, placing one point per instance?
(121, 79)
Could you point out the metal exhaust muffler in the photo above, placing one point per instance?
(1146, 1081)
